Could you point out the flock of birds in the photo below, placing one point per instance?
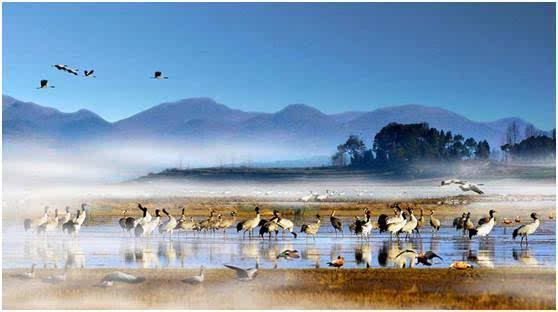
(86, 74)
(403, 221)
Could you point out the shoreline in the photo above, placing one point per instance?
(477, 288)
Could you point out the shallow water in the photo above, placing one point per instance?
(104, 245)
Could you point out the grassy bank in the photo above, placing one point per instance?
(502, 288)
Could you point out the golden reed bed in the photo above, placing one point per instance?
(502, 288)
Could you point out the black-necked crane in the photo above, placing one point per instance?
(270, 227)
(527, 229)
(420, 221)
(411, 224)
(468, 224)
(250, 224)
(395, 227)
(284, 224)
(122, 220)
(51, 225)
(485, 228)
(363, 228)
(72, 71)
(336, 223)
(60, 66)
(169, 225)
(28, 223)
(158, 75)
(459, 221)
(44, 84)
(67, 215)
(88, 74)
(312, 228)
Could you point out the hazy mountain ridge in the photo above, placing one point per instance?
(204, 120)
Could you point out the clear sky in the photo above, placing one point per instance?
(485, 61)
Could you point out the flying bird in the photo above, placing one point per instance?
(60, 67)
(158, 75)
(88, 73)
(422, 258)
(244, 275)
(471, 187)
(44, 84)
(452, 181)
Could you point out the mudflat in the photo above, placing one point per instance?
(477, 288)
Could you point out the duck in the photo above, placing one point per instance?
(460, 265)
(312, 228)
(289, 254)
(517, 219)
(250, 224)
(527, 229)
(337, 263)
(485, 228)
(196, 279)
(507, 221)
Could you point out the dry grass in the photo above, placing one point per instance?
(244, 206)
(503, 288)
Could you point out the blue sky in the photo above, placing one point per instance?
(485, 61)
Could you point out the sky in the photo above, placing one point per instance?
(483, 60)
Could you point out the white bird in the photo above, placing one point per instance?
(50, 225)
(244, 274)
(322, 197)
(147, 228)
(411, 224)
(158, 75)
(67, 215)
(527, 229)
(453, 181)
(249, 225)
(197, 279)
(28, 223)
(80, 218)
(44, 84)
(395, 227)
(471, 187)
(485, 228)
(307, 197)
(118, 276)
(169, 225)
(284, 224)
(26, 275)
(146, 216)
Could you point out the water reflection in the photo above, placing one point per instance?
(524, 257)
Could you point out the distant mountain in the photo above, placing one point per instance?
(26, 120)
(202, 120)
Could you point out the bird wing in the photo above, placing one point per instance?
(431, 255)
(120, 277)
(91, 72)
(157, 74)
(239, 271)
(476, 189)
(44, 82)
(406, 251)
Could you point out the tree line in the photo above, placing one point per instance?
(398, 145)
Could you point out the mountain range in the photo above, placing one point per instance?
(204, 121)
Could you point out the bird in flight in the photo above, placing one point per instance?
(44, 84)
(88, 73)
(159, 75)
